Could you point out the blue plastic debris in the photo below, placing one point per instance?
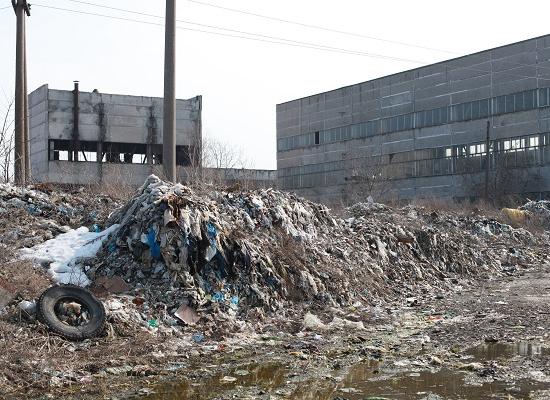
(33, 209)
(211, 232)
(211, 250)
(153, 244)
(96, 228)
(234, 300)
(111, 247)
(198, 337)
(219, 297)
(93, 215)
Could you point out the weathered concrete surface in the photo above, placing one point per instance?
(487, 74)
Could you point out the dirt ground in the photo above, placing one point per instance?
(487, 341)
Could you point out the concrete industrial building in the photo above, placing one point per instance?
(423, 132)
(90, 137)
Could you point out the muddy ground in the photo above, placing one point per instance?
(485, 341)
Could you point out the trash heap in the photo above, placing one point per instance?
(252, 252)
(30, 215)
(539, 209)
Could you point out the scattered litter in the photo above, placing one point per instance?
(187, 314)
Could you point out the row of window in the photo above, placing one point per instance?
(515, 152)
(114, 152)
(510, 103)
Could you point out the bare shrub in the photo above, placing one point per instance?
(6, 143)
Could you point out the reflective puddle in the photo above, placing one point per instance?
(363, 381)
(266, 377)
(494, 351)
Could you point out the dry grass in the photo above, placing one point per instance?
(30, 356)
(119, 191)
(20, 277)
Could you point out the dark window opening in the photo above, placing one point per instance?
(317, 138)
(113, 152)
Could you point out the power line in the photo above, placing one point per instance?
(265, 38)
(275, 40)
(245, 32)
(4, 8)
(283, 39)
(312, 26)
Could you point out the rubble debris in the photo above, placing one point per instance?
(187, 315)
(232, 253)
(27, 306)
(39, 212)
(540, 209)
(114, 285)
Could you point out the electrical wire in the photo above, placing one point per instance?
(265, 38)
(318, 27)
(280, 20)
(271, 39)
(241, 32)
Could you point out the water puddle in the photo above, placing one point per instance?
(494, 351)
(362, 381)
(266, 377)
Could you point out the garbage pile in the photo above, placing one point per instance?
(539, 209)
(30, 215)
(247, 253)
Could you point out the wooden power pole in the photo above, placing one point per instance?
(169, 122)
(22, 10)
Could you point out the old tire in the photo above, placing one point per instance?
(45, 312)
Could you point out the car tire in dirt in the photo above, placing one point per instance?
(48, 306)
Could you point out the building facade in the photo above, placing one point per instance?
(454, 129)
(90, 137)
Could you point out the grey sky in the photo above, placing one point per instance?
(242, 80)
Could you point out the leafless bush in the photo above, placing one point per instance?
(213, 163)
(367, 176)
(6, 143)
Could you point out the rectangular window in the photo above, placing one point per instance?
(484, 108)
(317, 138)
(475, 109)
(428, 118)
(364, 130)
(509, 103)
(386, 125)
(467, 111)
(544, 98)
(408, 121)
(515, 143)
(530, 99)
(458, 112)
(501, 104)
(420, 119)
(518, 102)
(393, 124)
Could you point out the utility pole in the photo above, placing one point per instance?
(487, 161)
(21, 113)
(169, 122)
(27, 122)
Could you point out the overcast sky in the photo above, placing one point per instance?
(241, 80)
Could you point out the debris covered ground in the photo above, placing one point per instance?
(195, 281)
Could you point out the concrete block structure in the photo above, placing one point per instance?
(90, 137)
(453, 129)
